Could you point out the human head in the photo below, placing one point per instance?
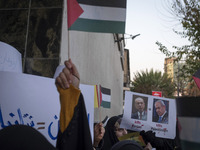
(160, 107)
(110, 136)
(23, 137)
(126, 145)
(119, 131)
(139, 104)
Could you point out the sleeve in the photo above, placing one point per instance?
(158, 143)
(100, 146)
(74, 133)
(68, 101)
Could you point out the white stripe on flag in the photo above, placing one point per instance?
(190, 129)
(106, 97)
(103, 13)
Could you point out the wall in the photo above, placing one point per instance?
(34, 29)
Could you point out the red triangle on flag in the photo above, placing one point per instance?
(100, 94)
(197, 81)
(74, 10)
(196, 78)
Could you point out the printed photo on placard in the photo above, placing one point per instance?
(160, 111)
(139, 107)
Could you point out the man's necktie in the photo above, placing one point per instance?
(160, 119)
(140, 116)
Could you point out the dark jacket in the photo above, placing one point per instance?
(100, 146)
(77, 135)
(164, 118)
(110, 137)
(135, 116)
(156, 142)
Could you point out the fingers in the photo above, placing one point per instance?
(62, 81)
(59, 82)
(148, 147)
(99, 130)
(73, 68)
(69, 75)
(65, 77)
(68, 64)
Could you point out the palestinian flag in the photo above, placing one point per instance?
(196, 78)
(73, 11)
(105, 97)
(107, 16)
(189, 118)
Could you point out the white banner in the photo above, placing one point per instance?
(88, 94)
(153, 107)
(34, 101)
(10, 58)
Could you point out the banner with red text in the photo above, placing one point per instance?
(157, 114)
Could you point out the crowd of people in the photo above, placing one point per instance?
(74, 132)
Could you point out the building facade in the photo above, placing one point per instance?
(170, 67)
(38, 30)
(184, 86)
(126, 69)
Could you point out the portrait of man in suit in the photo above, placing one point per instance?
(161, 115)
(139, 108)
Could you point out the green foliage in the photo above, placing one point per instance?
(145, 82)
(188, 14)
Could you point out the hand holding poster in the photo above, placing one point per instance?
(146, 112)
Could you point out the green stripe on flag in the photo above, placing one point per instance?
(186, 145)
(98, 26)
(105, 104)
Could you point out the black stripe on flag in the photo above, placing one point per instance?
(105, 91)
(106, 3)
(197, 74)
(188, 106)
(196, 78)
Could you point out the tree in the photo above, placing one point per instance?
(146, 82)
(188, 14)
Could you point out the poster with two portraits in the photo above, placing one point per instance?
(147, 112)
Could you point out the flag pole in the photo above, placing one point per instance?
(74, 10)
(99, 103)
(100, 114)
(64, 35)
(68, 46)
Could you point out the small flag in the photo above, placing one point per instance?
(96, 99)
(106, 16)
(105, 97)
(196, 78)
(73, 12)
